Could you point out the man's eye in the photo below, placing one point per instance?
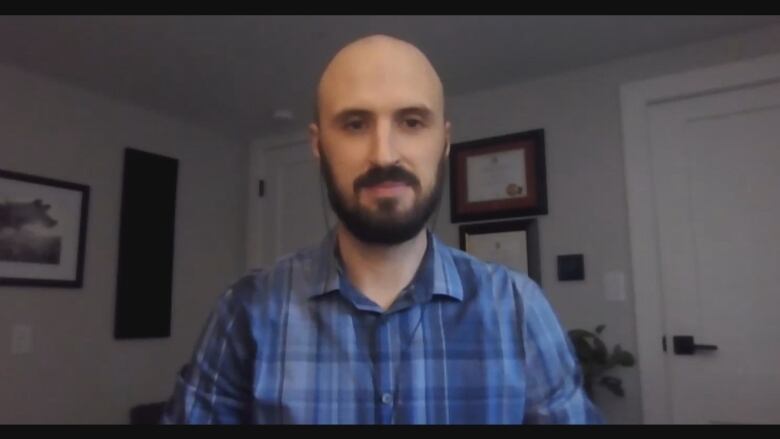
(355, 125)
(413, 123)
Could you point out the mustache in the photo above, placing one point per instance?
(378, 175)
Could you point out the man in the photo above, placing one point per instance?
(381, 322)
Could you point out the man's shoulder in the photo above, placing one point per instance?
(506, 288)
(264, 280)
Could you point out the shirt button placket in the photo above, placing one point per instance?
(384, 391)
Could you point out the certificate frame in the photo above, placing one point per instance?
(500, 232)
(525, 186)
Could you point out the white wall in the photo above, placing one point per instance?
(77, 372)
(580, 112)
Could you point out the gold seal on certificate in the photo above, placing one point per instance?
(514, 190)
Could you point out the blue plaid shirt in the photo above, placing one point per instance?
(466, 342)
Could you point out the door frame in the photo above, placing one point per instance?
(635, 99)
(256, 255)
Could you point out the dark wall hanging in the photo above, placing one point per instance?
(146, 240)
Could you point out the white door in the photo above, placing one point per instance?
(292, 212)
(717, 173)
(714, 160)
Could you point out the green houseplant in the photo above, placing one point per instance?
(595, 360)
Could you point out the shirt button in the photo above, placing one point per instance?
(387, 398)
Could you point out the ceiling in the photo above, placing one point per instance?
(230, 73)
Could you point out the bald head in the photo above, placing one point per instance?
(378, 62)
(381, 138)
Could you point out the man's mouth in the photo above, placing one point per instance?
(387, 188)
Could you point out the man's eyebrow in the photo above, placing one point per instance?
(351, 112)
(420, 110)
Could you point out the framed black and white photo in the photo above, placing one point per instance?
(514, 244)
(43, 225)
(498, 177)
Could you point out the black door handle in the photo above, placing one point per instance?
(685, 345)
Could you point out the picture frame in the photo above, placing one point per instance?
(514, 244)
(498, 177)
(43, 227)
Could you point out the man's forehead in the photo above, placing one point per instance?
(338, 102)
(380, 72)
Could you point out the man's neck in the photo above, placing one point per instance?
(381, 271)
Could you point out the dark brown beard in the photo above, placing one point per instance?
(385, 226)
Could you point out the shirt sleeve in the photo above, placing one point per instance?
(555, 393)
(215, 387)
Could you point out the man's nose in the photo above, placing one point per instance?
(384, 151)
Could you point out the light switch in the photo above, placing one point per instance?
(21, 340)
(571, 267)
(615, 286)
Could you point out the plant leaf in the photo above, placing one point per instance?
(600, 351)
(581, 333)
(612, 361)
(613, 384)
(579, 339)
(583, 349)
(626, 359)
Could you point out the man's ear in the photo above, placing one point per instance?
(447, 138)
(314, 139)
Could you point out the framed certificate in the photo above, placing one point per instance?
(498, 177)
(514, 244)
